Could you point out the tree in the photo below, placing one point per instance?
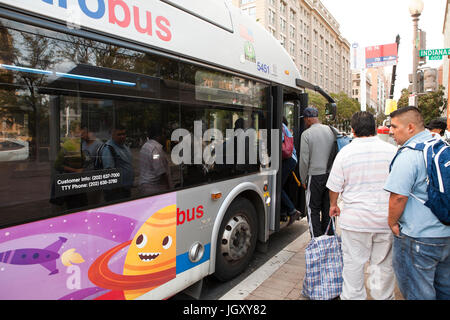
(346, 107)
(431, 104)
(379, 117)
(319, 102)
(404, 99)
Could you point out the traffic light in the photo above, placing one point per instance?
(410, 87)
(420, 81)
(430, 79)
(422, 45)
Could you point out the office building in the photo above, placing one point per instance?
(310, 34)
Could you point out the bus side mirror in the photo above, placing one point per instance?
(330, 110)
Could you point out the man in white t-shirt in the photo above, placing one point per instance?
(359, 173)
(154, 176)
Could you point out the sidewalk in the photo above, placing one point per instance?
(281, 278)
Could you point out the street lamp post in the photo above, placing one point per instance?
(415, 8)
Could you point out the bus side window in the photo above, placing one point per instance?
(53, 126)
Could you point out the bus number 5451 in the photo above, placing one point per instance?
(263, 67)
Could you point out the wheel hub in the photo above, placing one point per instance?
(236, 238)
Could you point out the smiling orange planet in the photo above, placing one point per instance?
(150, 260)
(153, 249)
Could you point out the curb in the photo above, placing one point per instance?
(242, 290)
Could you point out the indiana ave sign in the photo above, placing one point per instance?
(435, 54)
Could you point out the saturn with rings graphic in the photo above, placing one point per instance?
(150, 260)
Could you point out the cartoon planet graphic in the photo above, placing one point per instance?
(150, 260)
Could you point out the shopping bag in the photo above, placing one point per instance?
(323, 279)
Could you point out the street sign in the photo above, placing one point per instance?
(434, 57)
(382, 55)
(435, 52)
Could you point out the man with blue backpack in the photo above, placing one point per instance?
(419, 203)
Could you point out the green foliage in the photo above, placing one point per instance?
(316, 100)
(431, 104)
(404, 99)
(379, 118)
(346, 107)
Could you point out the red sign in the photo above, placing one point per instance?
(380, 56)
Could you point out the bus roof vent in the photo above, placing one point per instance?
(215, 12)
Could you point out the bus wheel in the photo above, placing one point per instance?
(237, 239)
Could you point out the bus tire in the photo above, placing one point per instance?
(236, 240)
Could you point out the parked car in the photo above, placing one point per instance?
(13, 150)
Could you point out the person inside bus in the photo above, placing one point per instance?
(118, 155)
(240, 139)
(287, 166)
(89, 147)
(244, 131)
(154, 174)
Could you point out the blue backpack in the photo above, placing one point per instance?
(341, 140)
(436, 153)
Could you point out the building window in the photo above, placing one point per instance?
(251, 11)
(272, 32)
(292, 15)
(282, 40)
(282, 25)
(271, 17)
(292, 48)
(246, 1)
(283, 8)
(292, 31)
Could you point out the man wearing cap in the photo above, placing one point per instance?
(315, 148)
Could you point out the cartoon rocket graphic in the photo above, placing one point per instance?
(45, 257)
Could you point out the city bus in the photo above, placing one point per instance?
(110, 114)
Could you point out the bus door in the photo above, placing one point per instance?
(294, 102)
(289, 105)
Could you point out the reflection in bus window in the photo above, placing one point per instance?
(289, 114)
(62, 100)
(61, 97)
(13, 149)
(223, 88)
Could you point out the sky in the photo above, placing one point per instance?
(370, 23)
